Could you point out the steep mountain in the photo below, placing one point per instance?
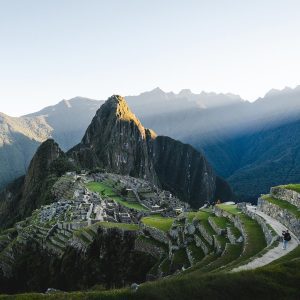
(183, 170)
(28, 192)
(20, 137)
(117, 142)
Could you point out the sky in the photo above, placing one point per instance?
(58, 49)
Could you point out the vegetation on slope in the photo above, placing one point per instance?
(293, 187)
(276, 281)
(106, 190)
(159, 222)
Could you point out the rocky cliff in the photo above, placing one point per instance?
(116, 141)
(25, 194)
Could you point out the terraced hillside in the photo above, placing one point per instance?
(201, 250)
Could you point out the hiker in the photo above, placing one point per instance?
(286, 237)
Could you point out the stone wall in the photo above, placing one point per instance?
(282, 215)
(217, 245)
(236, 221)
(190, 256)
(226, 249)
(270, 235)
(145, 246)
(205, 234)
(201, 244)
(218, 230)
(285, 194)
(222, 213)
(157, 234)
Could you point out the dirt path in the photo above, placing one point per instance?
(273, 253)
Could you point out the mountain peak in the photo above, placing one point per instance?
(116, 105)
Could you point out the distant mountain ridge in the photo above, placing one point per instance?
(223, 126)
(20, 137)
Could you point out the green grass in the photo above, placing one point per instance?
(279, 281)
(232, 208)
(222, 240)
(165, 265)
(197, 252)
(235, 232)
(202, 216)
(256, 239)
(106, 190)
(180, 258)
(233, 252)
(283, 204)
(115, 294)
(221, 222)
(294, 255)
(199, 215)
(159, 222)
(293, 187)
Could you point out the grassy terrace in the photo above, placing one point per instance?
(284, 205)
(256, 240)
(232, 209)
(165, 265)
(235, 232)
(197, 252)
(222, 240)
(106, 190)
(293, 187)
(180, 258)
(202, 216)
(221, 222)
(159, 222)
(233, 253)
(199, 215)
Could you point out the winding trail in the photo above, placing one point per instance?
(273, 253)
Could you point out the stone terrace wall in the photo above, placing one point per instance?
(200, 243)
(143, 245)
(232, 238)
(157, 234)
(206, 235)
(236, 221)
(282, 215)
(270, 236)
(218, 230)
(217, 245)
(285, 194)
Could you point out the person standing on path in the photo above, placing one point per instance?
(286, 238)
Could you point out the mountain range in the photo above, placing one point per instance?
(252, 145)
(115, 142)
